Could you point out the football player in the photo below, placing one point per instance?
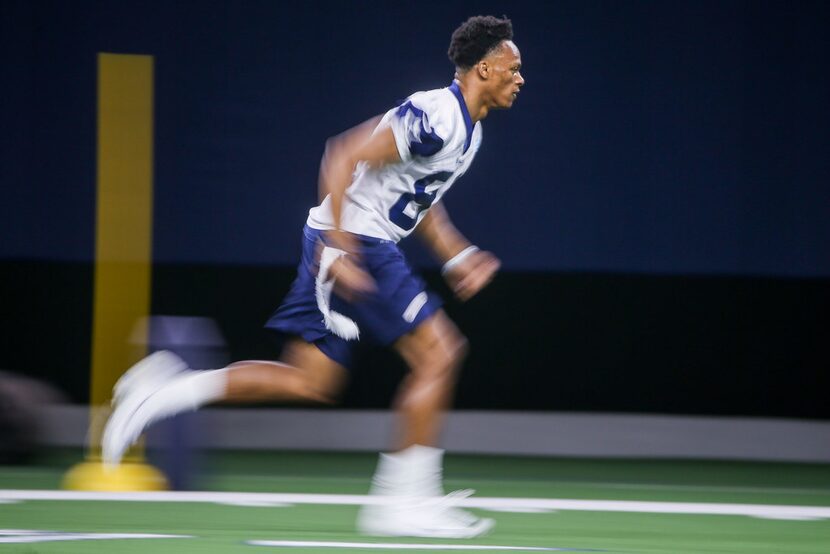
(379, 182)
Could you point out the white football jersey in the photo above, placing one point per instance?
(436, 141)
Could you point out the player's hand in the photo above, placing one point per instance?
(351, 280)
(472, 274)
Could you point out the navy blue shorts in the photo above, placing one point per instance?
(400, 304)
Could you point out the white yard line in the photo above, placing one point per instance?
(404, 546)
(770, 511)
(20, 536)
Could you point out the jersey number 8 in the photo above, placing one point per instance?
(422, 199)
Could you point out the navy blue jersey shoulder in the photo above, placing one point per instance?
(430, 143)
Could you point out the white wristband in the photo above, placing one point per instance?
(458, 258)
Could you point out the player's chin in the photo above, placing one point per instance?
(507, 103)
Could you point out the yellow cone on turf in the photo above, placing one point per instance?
(92, 475)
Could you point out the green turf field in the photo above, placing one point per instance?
(602, 522)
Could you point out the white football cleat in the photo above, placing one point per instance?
(129, 394)
(156, 368)
(423, 517)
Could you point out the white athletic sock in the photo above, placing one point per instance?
(184, 393)
(414, 471)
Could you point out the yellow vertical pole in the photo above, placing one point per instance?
(123, 242)
(123, 250)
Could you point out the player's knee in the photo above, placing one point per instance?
(454, 347)
(461, 347)
(309, 388)
(318, 379)
(444, 357)
(328, 392)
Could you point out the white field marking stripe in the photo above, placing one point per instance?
(19, 536)
(405, 546)
(756, 510)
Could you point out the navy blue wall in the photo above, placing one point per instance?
(659, 193)
(668, 137)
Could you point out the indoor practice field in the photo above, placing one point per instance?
(307, 503)
(287, 277)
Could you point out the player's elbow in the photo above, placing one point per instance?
(339, 152)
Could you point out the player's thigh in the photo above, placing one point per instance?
(436, 345)
(323, 373)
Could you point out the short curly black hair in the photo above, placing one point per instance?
(476, 37)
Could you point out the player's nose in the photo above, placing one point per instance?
(520, 80)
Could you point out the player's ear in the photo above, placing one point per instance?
(483, 69)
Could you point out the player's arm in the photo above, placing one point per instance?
(466, 268)
(342, 154)
(439, 234)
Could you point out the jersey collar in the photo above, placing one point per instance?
(468, 121)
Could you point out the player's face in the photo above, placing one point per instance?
(506, 78)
